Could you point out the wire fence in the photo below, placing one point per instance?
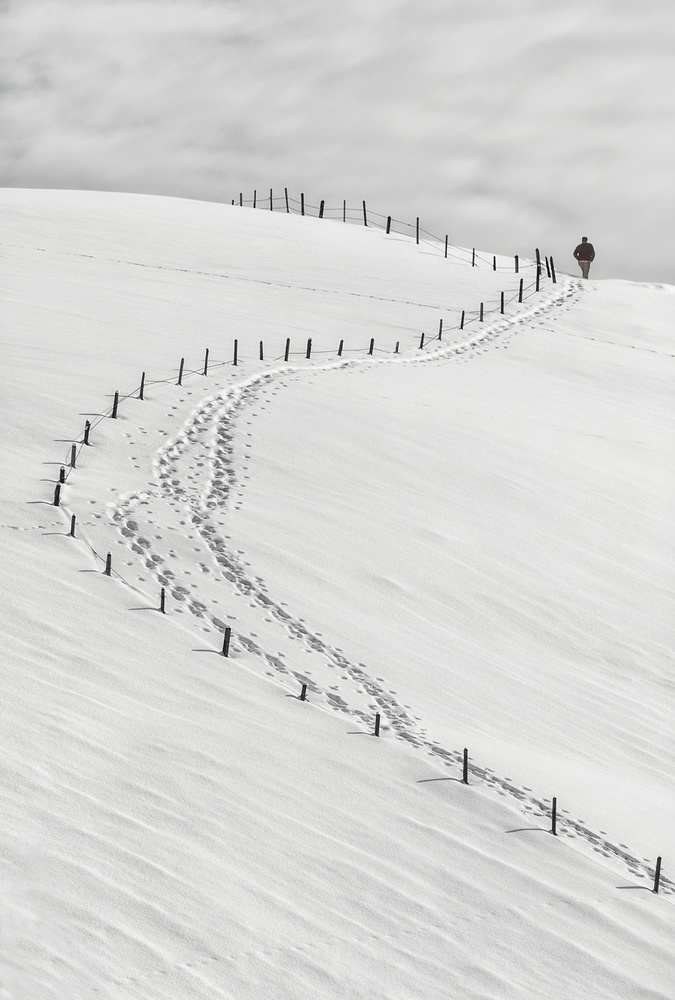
(366, 217)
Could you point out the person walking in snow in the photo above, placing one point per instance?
(584, 254)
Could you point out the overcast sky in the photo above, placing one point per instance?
(507, 124)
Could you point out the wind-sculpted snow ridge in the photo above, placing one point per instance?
(178, 529)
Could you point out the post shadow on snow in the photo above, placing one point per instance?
(644, 888)
(423, 781)
(529, 829)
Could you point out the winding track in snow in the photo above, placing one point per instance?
(196, 481)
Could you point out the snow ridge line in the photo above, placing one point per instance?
(213, 419)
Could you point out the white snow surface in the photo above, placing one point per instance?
(473, 539)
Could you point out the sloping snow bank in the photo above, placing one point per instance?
(175, 824)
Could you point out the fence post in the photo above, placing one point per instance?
(440, 329)
(261, 351)
(481, 312)
(271, 209)
(73, 456)
(397, 345)
(87, 428)
(494, 263)
(57, 495)
(417, 230)
(461, 322)
(657, 874)
(377, 724)
(226, 640)
(446, 247)
(142, 389)
(548, 268)
(421, 342)
(538, 275)
(288, 348)
(344, 210)
(288, 210)
(180, 371)
(553, 272)
(365, 215)
(303, 692)
(473, 257)
(372, 345)
(465, 767)
(302, 204)
(309, 348)
(520, 291)
(206, 361)
(502, 305)
(72, 526)
(241, 200)
(236, 349)
(162, 601)
(538, 256)
(517, 263)
(255, 198)
(62, 474)
(321, 209)
(554, 817)
(115, 405)
(342, 344)
(108, 564)
(388, 224)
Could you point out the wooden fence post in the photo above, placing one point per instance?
(446, 247)
(494, 263)
(372, 345)
(142, 389)
(344, 210)
(481, 312)
(288, 348)
(440, 329)
(309, 348)
(241, 200)
(57, 495)
(162, 601)
(255, 198)
(553, 272)
(108, 564)
(397, 345)
(520, 291)
(657, 874)
(321, 209)
(342, 344)
(421, 342)
(236, 350)
(502, 305)
(538, 276)
(517, 263)
(365, 215)
(271, 208)
(554, 817)
(288, 210)
(302, 204)
(377, 724)
(465, 767)
(388, 224)
(206, 362)
(261, 351)
(73, 456)
(87, 428)
(303, 692)
(116, 401)
(473, 257)
(180, 371)
(72, 526)
(417, 230)
(548, 268)
(461, 322)
(62, 474)
(226, 640)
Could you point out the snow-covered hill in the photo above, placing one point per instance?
(470, 539)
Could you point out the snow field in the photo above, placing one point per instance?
(179, 824)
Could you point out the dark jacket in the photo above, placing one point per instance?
(584, 251)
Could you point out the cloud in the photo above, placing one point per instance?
(506, 125)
